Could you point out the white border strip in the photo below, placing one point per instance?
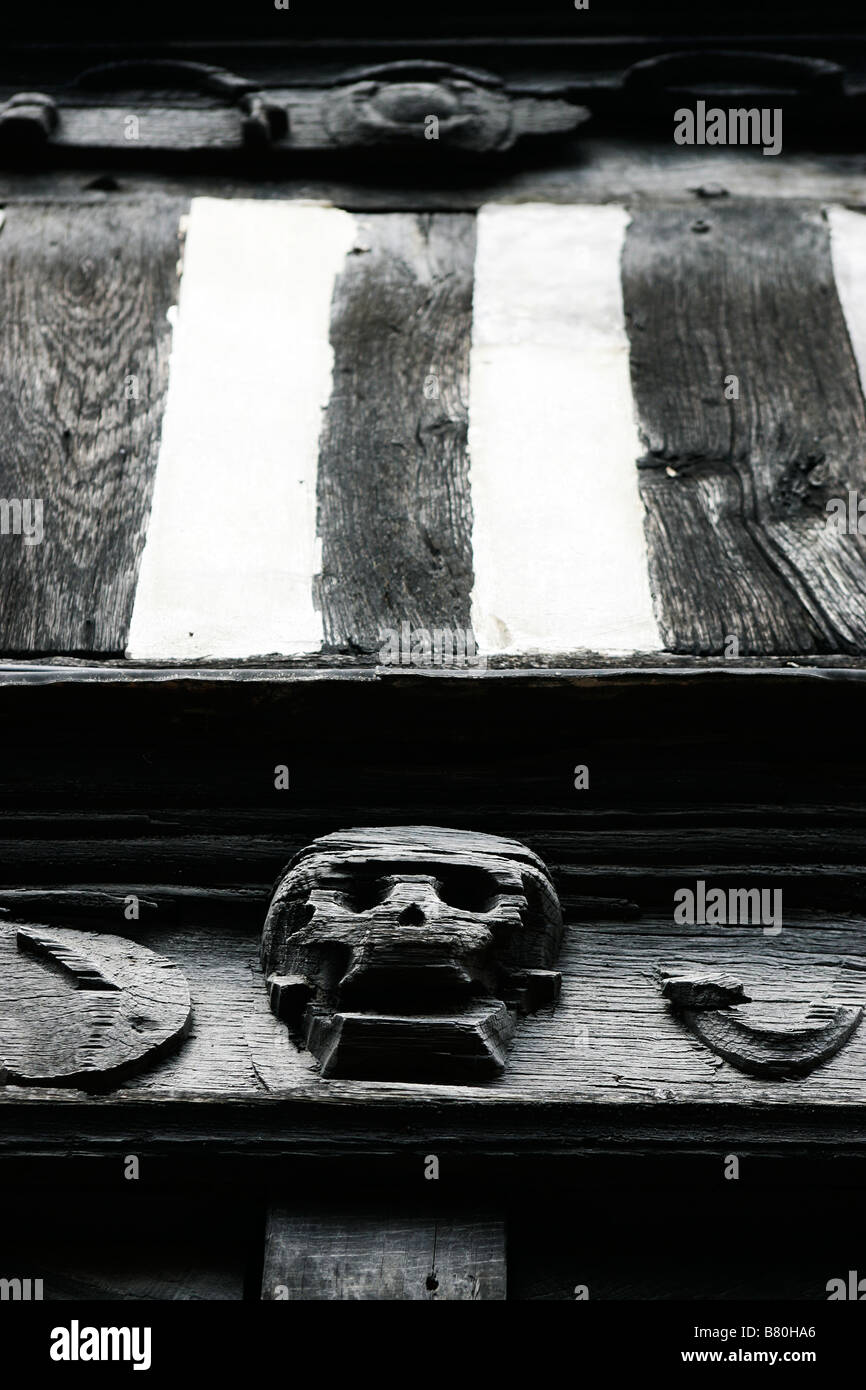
(228, 566)
(558, 542)
(848, 251)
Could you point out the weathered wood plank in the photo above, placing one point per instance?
(394, 507)
(611, 1043)
(84, 342)
(735, 488)
(382, 1256)
(811, 874)
(602, 169)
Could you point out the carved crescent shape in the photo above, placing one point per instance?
(773, 1051)
(710, 1005)
(78, 1008)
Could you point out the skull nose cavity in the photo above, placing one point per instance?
(411, 916)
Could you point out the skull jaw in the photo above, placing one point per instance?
(442, 1036)
(464, 1046)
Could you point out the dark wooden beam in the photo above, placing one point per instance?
(380, 1256)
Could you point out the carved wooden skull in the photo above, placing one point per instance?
(409, 952)
(394, 102)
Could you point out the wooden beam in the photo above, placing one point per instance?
(752, 417)
(394, 509)
(84, 342)
(382, 1256)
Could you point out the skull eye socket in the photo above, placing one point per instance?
(468, 890)
(465, 888)
(364, 892)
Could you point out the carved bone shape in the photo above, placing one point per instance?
(78, 1008)
(409, 953)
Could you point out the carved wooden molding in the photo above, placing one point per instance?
(391, 104)
(385, 107)
(711, 1007)
(79, 1008)
(410, 953)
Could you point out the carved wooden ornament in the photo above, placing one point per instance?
(79, 1008)
(394, 104)
(409, 953)
(719, 1012)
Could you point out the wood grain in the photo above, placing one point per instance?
(382, 1256)
(735, 489)
(394, 509)
(79, 1008)
(611, 1047)
(84, 293)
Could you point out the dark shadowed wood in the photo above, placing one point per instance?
(382, 1256)
(394, 507)
(79, 1007)
(468, 1045)
(83, 300)
(735, 489)
(601, 167)
(87, 1270)
(126, 1238)
(143, 1276)
(623, 1249)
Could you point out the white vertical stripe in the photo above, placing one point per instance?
(848, 249)
(558, 543)
(231, 548)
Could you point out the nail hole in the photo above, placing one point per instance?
(104, 183)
